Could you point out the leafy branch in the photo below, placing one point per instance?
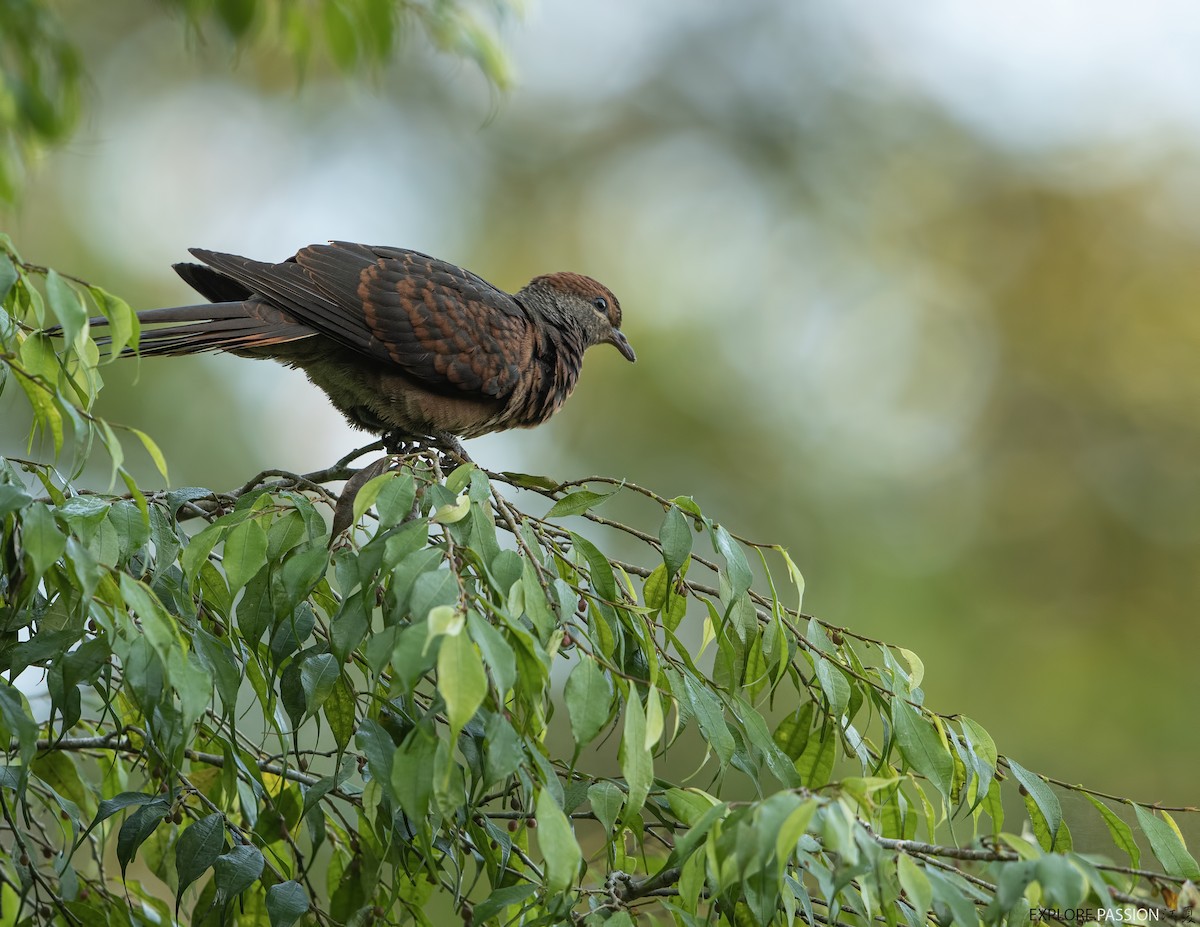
(356, 694)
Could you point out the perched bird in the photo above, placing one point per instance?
(404, 345)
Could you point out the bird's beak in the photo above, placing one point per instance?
(621, 343)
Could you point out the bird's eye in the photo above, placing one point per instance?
(600, 303)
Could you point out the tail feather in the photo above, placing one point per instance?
(223, 326)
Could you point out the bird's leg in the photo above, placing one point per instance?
(446, 444)
(450, 446)
(398, 441)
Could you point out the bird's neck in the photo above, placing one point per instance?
(557, 360)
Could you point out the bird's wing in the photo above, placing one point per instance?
(440, 324)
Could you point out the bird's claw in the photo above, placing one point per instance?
(397, 442)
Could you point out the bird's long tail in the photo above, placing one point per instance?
(225, 326)
(216, 327)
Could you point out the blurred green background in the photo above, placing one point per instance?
(913, 290)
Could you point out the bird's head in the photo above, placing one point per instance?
(579, 301)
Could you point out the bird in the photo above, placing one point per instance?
(409, 347)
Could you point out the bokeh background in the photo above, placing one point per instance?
(913, 287)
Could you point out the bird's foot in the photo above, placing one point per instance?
(450, 447)
(400, 442)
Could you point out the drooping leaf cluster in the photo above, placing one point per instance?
(40, 76)
(466, 704)
(42, 73)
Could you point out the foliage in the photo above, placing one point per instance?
(41, 73)
(449, 702)
(39, 85)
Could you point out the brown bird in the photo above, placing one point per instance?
(404, 345)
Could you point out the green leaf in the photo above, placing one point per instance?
(917, 666)
(557, 841)
(197, 849)
(497, 655)
(507, 567)
(606, 799)
(395, 500)
(1043, 796)
(796, 577)
(17, 722)
(791, 736)
(236, 871)
(1167, 844)
(710, 715)
(654, 718)
(654, 589)
(921, 746)
(689, 805)
(500, 899)
(413, 773)
(8, 276)
(156, 454)
(443, 620)
(340, 710)
(350, 625)
(302, 570)
(39, 362)
(574, 503)
(123, 326)
(66, 304)
(132, 529)
(598, 566)
(14, 498)
(738, 569)
(834, 685)
(1013, 879)
(461, 679)
(42, 539)
(504, 750)
(198, 548)
(318, 674)
(994, 806)
(370, 492)
(589, 693)
(340, 34)
(379, 19)
(636, 762)
(137, 827)
(244, 553)
(286, 902)
(434, 588)
(530, 480)
(111, 806)
(1063, 884)
(236, 15)
(696, 833)
(452, 512)
(1121, 833)
(916, 886)
(792, 829)
(983, 753)
(951, 901)
(676, 539)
